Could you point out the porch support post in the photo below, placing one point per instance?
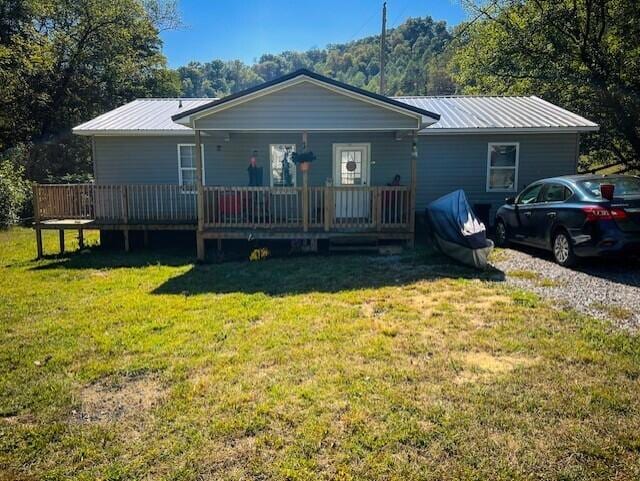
(39, 242)
(414, 173)
(61, 235)
(200, 199)
(127, 245)
(36, 220)
(305, 189)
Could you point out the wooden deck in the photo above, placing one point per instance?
(228, 212)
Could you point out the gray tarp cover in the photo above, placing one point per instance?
(457, 231)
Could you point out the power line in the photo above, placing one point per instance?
(373, 14)
(404, 9)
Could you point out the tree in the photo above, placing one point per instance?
(581, 54)
(163, 14)
(413, 47)
(14, 189)
(64, 62)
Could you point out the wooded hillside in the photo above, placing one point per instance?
(416, 64)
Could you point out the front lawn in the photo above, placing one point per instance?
(146, 366)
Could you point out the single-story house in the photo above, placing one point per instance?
(238, 166)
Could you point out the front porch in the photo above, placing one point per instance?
(227, 212)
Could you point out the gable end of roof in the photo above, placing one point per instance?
(317, 77)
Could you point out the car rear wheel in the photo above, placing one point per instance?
(501, 234)
(563, 250)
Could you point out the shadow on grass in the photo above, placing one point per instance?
(101, 258)
(318, 273)
(279, 275)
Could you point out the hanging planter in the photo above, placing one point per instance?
(304, 160)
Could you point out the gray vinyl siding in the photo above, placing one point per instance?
(445, 162)
(154, 160)
(137, 160)
(449, 162)
(306, 106)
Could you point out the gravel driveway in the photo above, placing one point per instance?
(604, 288)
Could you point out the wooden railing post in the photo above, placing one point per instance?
(305, 186)
(305, 201)
(378, 200)
(124, 195)
(328, 198)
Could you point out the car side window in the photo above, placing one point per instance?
(530, 195)
(556, 193)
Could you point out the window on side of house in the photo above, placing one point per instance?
(502, 167)
(187, 167)
(283, 170)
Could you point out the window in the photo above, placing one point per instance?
(187, 167)
(351, 167)
(530, 195)
(502, 167)
(556, 193)
(283, 170)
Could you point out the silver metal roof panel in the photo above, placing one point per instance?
(458, 114)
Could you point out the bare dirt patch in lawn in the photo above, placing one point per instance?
(477, 366)
(113, 399)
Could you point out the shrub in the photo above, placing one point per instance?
(14, 192)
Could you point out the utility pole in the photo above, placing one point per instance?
(383, 47)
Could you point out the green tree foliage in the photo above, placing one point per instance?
(66, 61)
(581, 54)
(413, 67)
(14, 188)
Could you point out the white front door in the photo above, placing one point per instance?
(351, 169)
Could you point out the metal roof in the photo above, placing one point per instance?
(458, 114)
(484, 113)
(142, 116)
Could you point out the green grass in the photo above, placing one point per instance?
(534, 277)
(347, 367)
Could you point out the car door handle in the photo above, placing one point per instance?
(551, 214)
(528, 213)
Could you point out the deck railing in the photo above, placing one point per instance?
(117, 203)
(330, 208)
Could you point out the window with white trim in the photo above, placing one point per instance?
(283, 170)
(502, 166)
(187, 167)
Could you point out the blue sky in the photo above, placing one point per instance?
(245, 29)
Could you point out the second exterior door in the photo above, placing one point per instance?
(351, 169)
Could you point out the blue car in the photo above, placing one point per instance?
(574, 216)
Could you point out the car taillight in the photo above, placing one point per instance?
(618, 214)
(594, 212)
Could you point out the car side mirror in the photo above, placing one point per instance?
(510, 200)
